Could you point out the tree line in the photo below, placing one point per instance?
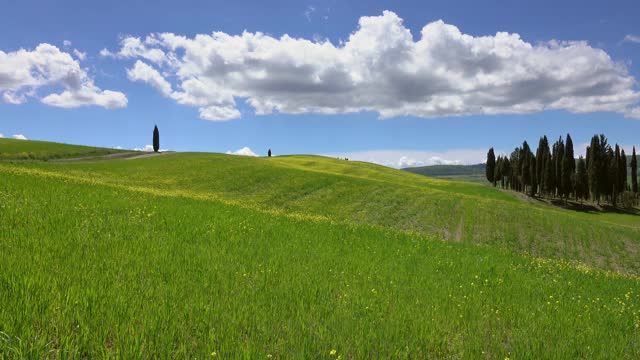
(554, 172)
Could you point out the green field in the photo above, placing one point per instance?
(211, 255)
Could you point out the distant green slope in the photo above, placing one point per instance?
(370, 194)
(447, 170)
(11, 149)
(470, 173)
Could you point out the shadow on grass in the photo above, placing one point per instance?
(589, 207)
(578, 206)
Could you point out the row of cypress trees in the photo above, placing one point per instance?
(554, 172)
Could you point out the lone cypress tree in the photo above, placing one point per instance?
(269, 153)
(491, 166)
(634, 171)
(156, 139)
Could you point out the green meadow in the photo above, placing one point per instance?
(11, 149)
(195, 255)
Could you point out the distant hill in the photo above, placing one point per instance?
(472, 173)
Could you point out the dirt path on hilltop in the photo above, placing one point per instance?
(150, 154)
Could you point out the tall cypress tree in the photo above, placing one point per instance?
(622, 168)
(614, 174)
(515, 169)
(568, 168)
(606, 156)
(534, 177)
(634, 171)
(549, 183)
(525, 156)
(558, 159)
(593, 168)
(156, 139)
(582, 182)
(497, 175)
(506, 172)
(491, 166)
(541, 156)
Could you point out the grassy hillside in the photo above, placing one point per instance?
(93, 270)
(369, 194)
(210, 255)
(11, 149)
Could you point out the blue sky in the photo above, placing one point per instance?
(399, 130)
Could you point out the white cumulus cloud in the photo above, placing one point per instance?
(143, 72)
(135, 47)
(1, 135)
(20, 137)
(381, 68)
(23, 72)
(245, 151)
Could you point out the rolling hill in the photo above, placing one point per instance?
(212, 255)
(11, 149)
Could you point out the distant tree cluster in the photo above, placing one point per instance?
(553, 171)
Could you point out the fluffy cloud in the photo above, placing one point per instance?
(23, 72)
(20, 137)
(245, 151)
(1, 135)
(134, 47)
(411, 158)
(380, 68)
(143, 72)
